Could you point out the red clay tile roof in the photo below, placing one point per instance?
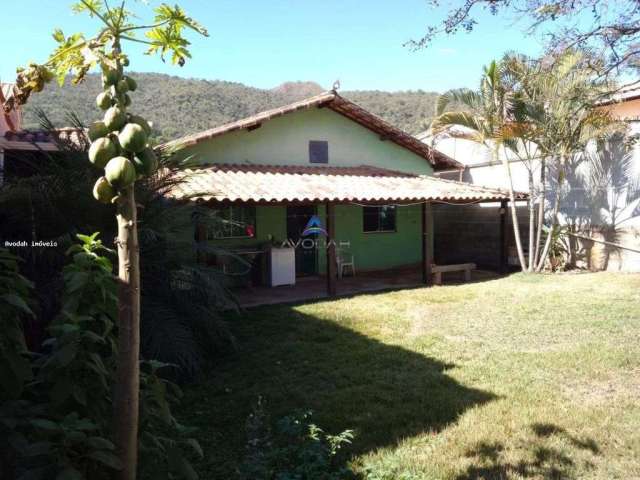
(47, 140)
(344, 107)
(280, 184)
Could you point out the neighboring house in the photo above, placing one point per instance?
(22, 150)
(600, 199)
(321, 175)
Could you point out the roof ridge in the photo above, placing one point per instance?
(381, 171)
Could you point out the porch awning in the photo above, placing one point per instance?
(282, 184)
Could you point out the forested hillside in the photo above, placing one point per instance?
(178, 106)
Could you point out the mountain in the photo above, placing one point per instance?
(298, 89)
(179, 106)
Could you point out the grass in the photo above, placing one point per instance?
(521, 377)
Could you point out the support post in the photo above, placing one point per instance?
(427, 243)
(331, 250)
(504, 261)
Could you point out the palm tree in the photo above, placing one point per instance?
(561, 121)
(538, 111)
(483, 118)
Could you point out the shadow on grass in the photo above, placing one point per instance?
(546, 461)
(350, 381)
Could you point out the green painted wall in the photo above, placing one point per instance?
(371, 250)
(382, 250)
(285, 141)
(269, 221)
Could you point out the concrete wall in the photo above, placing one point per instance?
(471, 233)
(285, 141)
(614, 214)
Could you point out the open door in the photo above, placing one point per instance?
(306, 252)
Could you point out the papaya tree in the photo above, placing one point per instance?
(120, 149)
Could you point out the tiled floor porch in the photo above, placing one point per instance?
(315, 287)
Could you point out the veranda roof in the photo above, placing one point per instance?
(344, 107)
(284, 184)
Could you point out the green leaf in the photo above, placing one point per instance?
(36, 449)
(180, 465)
(45, 424)
(178, 17)
(16, 301)
(80, 395)
(100, 443)
(66, 354)
(106, 458)
(90, 6)
(61, 390)
(69, 473)
(58, 35)
(195, 445)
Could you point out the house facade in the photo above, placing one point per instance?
(321, 177)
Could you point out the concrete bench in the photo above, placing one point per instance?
(438, 270)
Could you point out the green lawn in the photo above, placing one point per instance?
(521, 377)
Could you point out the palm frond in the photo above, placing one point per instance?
(473, 127)
(465, 97)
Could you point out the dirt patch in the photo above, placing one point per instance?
(614, 388)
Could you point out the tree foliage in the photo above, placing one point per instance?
(55, 405)
(541, 113)
(609, 30)
(180, 106)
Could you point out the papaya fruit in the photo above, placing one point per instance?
(122, 86)
(120, 172)
(133, 85)
(110, 76)
(142, 122)
(101, 151)
(103, 101)
(97, 130)
(114, 118)
(145, 162)
(102, 191)
(132, 138)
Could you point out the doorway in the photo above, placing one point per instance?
(298, 217)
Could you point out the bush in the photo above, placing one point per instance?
(294, 449)
(56, 405)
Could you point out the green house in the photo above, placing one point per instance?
(325, 183)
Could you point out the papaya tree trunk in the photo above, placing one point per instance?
(128, 370)
(514, 214)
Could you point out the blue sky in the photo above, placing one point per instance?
(264, 43)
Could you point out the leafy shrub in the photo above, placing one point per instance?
(294, 449)
(56, 406)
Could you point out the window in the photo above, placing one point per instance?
(379, 219)
(234, 222)
(318, 151)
